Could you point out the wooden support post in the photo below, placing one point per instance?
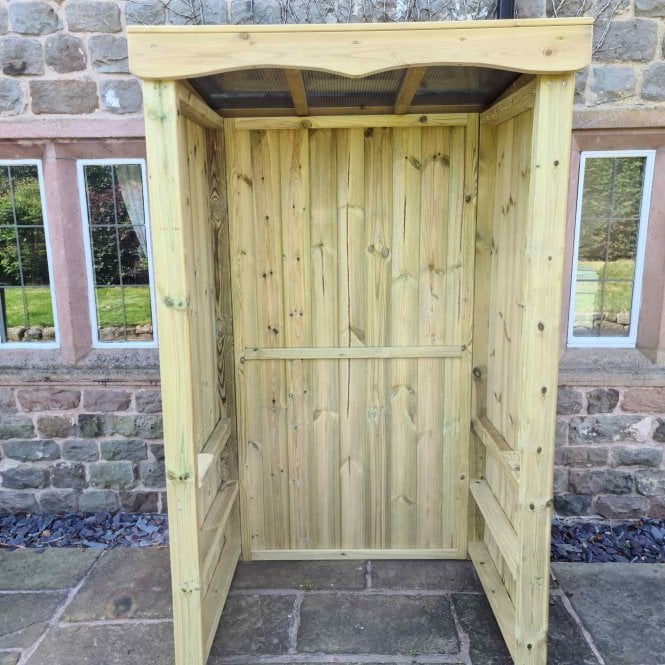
(408, 88)
(296, 86)
(537, 377)
(172, 247)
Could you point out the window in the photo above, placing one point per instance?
(117, 244)
(610, 238)
(27, 309)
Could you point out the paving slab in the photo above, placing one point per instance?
(307, 575)
(125, 584)
(254, 626)
(566, 645)
(621, 605)
(432, 575)
(127, 644)
(10, 658)
(27, 570)
(379, 624)
(24, 617)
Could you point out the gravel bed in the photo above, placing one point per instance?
(635, 542)
(101, 530)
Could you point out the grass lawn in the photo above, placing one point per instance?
(109, 306)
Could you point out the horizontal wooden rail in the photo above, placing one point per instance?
(350, 121)
(508, 107)
(497, 447)
(352, 352)
(195, 109)
(323, 554)
(499, 600)
(209, 468)
(212, 532)
(497, 522)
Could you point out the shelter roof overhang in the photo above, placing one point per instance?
(282, 70)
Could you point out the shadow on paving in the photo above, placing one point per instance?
(77, 606)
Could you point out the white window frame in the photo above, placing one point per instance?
(630, 341)
(92, 296)
(10, 346)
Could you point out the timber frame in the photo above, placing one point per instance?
(520, 161)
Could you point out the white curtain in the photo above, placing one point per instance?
(131, 187)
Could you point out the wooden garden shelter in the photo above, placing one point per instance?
(358, 243)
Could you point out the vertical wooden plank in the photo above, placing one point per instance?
(403, 331)
(432, 470)
(378, 259)
(537, 378)
(351, 288)
(323, 490)
(294, 171)
(243, 269)
(172, 245)
(271, 403)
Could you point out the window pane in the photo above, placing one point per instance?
(118, 236)
(25, 294)
(607, 251)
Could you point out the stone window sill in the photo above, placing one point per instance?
(609, 367)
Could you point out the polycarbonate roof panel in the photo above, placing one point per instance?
(268, 89)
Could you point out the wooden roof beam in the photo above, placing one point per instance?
(408, 88)
(296, 86)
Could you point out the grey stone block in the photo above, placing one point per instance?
(659, 434)
(622, 507)
(4, 21)
(10, 657)
(124, 449)
(150, 427)
(16, 427)
(79, 450)
(157, 450)
(67, 96)
(650, 483)
(602, 400)
(26, 570)
(612, 83)
(123, 425)
(21, 56)
(152, 474)
(560, 479)
(249, 11)
(59, 501)
(91, 425)
(395, 625)
(149, 401)
(572, 505)
(601, 482)
(109, 593)
(17, 502)
(93, 501)
(137, 644)
(300, 575)
(68, 475)
(56, 426)
(24, 477)
(607, 429)
(585, 456)
(581, 79)
(561, 433)
(102, 400)
(530, 8)
(65, 53)
(48, 399)
(139, 502)
(122, 96)
(254, 625)
(109, 54)
(33, 18)
(31, 450)
(569, 402)
(24, 617)
(653, 86)
(112, 475)
(439, 575)
(633, 40)
(145, 12)
(654, 8)
(87, 16)
(637, 456)
(12, 100)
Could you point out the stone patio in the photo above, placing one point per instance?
(113, 608)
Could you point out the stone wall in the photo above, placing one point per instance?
(609, 456)
(67, 448)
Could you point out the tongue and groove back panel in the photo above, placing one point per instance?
(358, 238)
